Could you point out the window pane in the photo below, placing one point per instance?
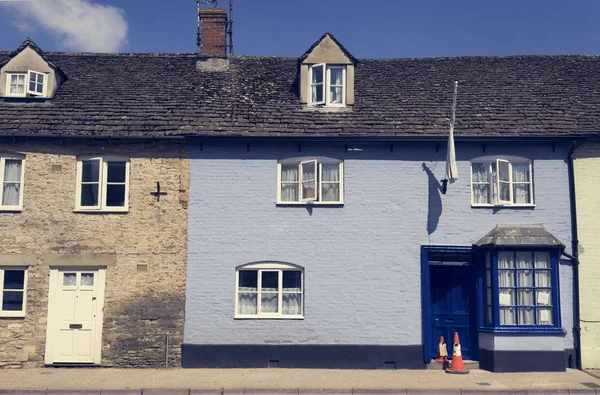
(12, 170)
(335, 94)
(488, 278)
(289, 192)
(330, 172)
(270, 281)
(488, 297)
(543, 297)
(544, 316)
(542, 278)
(526, 316)
(12, 300)
(14, 279)
(40, 78)
(521, 193)
(115, 195)
(289, 172)
(317, 75)
(308, 180)
(292, 304)
(526, 297)
(542, 260)
(504, 191)
(488, 317)
(10, 194)
(87, 279)
(506, 260)
(248, 280)
(292, 281)
(506, 278)
(507, 316)
(309, 190)
(70, 279)
(247, 303)
(89, 195)
(524, 260)
(481, 193)
(90, 170)
(269, 303)
(520, 172)
(317, 93)
(116, 171)
(331, 192)
(32, 77)
(480, 172)
(507, 297)
(32, 86)
(525, 278)
(503, 171)
(336, 76)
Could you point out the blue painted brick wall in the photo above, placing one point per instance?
(362, 260)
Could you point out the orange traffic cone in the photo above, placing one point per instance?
(457, 365)
(442, 351)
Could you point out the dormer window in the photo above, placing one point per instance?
(31, 83)
(327, 85)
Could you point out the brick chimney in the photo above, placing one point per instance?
(213, 25)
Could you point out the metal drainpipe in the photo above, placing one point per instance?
(575, 259)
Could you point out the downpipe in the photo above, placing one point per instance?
(574, 258)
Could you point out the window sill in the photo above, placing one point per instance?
(337, 204)
(10, 210)
(12, 314)
(83, 211)
(525, 330)
(502, 205)
(265, 317)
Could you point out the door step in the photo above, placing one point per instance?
(441, 366)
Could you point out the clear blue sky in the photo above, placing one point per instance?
(369, 28)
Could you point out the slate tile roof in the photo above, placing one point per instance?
(519, 235)
(164, 95)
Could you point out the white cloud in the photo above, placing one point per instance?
(80, 25)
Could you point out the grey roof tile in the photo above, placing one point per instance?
(159, 95)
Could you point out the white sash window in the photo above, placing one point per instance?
(501, 182)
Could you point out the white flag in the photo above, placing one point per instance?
(451, 170)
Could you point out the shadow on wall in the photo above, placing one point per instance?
(434, 207)
(135, 333)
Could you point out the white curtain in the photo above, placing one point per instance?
(525, 279)
(521, 183)
(506, 279)
(336, 85)
(292, 292)
(269, 292)
(481, 183)
(247, 292)
(543, 280)
(330, 183)
(289, 183)
(11, 190)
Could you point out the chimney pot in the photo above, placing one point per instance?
(213, 25)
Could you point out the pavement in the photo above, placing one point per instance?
(109, 381)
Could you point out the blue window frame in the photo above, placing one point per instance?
(520, 290)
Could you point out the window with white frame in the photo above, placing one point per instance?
(30, 83)
(310, 180)
(11, 182)
(501, 182)
(103, 183)
(13, 294)
(269, 290)
(327, 85)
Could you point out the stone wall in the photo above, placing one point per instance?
(145, 286)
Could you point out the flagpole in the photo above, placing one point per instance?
(451, 170)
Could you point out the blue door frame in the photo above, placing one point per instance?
(429, 257)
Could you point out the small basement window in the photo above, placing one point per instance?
(13, 294)
(327, 85)
(24, 84)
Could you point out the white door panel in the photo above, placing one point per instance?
(75, 316)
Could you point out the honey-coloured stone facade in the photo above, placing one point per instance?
(143, 250)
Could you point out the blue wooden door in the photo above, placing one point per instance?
(451, 288)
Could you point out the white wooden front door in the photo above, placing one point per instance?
(75, 305)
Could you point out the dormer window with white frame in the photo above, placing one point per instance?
(327, 85)
(317, 180)
(506, 181)
(32, 83)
